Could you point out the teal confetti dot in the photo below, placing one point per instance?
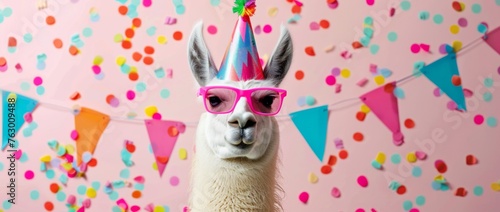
(374, 49)
(34, 195)
(399, 93)
(125, 69)
(476, 8)
(438, 19)
(6, 205)
(140, 87)
(392, 36)
(40, 65)
(87, 32)
(396, 158)
(435, 185)
(81, 189)
(405, 5)
(60, 196)
(11, 49)
(215, 3)
(445, 187)
(180, 9)
(423, 15)
(487, 96)
(50, 174)
(488, 82)
(150, 149)
(27, 37)
(25, 86)
(113, 196)
(368, 20)
(416, 171)
(96, 185)
(420, 200)
(24, 157)
(7, 12)
(95, 18)
(164, 93)
(1, 166)
(132, 14)
(497, 2)
(310, 100)
(491, 121)
(135, 2)
(407, 205)
(376, 164)
(151, 31)
(478, 191)
(177, 2)
(481, 28)
(125, 173)
(139, 186)
(1, 19)
(40, 90)
(116, 209)
(167, 209)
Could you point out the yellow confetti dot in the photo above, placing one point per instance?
(45, 158)
(131, 114)
(272, 11)
(67, 166)
(265, 57)
(454, 29)
(151, 110)
(120, 60)
(462, 5)
(91, 193)
(495, 186)
(457, 45)
(379, 80)
(182, 154)
(159, 208)
(380, 158)
(70, 149)
(439, 178)
(133, 69)
(98, 60)
(365, 109)
(313, 178)
(345, 73)
(411, 157)
(162, 39)
(118, 38)
(155, 166)
(12, 95)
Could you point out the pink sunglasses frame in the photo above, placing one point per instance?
(242, 93)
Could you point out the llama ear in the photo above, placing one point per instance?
(281, 58)
(200, 59)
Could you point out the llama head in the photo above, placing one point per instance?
(242, 132)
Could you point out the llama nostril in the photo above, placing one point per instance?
(234, 123)
(249, 123)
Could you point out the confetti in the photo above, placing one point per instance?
(362, 181)
(440, 166)
(304, 197)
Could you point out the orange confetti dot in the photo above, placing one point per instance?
(324, 24)
(137, 56)
(149, 50)
(137, 22)
(409, 123)
(48, 206)
(290, 1)
(401, 190)
(331, 1)
(129, 32)
(162, 160)
(332, 160)
(296, 9)
(123, 10)
(148, 60)
(310, 51)
(358, 136)
(299, 75)
(130, 148)
(389, 88)
(343, 154)
(126, 44)
(58, 43)
(109, 98)
(54, 188)
(326, 169)
(92, 162)
(50, 20)
(173, 131)
(136, 194)
(178, 35)
(3, 61)
(133, 76)
(73, 50)
(356, 45)
(456, 80)
(361, 116)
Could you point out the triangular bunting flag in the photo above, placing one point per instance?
(12, 123)
(312, 123)
(89, 124)
(163, 136)
(444, 74)
(384, 105)
(492, 38)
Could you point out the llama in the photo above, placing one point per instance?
(235, 165)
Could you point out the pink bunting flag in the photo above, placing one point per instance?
(163, 135)
(384, 105)
(492, 38)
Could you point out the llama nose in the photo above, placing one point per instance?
(242, 123)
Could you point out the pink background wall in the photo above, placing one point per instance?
(441, 133)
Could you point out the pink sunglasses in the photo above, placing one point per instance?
(223, 99)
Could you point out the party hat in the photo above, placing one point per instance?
(241, 61)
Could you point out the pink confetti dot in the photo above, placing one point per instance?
(437, 92)
(414, 210)
(212, 29)
(360, 210)
(257, 30)
(267, 28)
(370, 2)
(304, 197)
(130, 94)
(415, 48)
(335, 192)
(71, 199)
(74, 135)
(157, 116)
(330, 80)
(336, 71)
(362, 181)
(462, 22)
(333, 5)
(147, 3)
(498, 70)
(478, 119)
(135, 208)
(96, 69)
(29, 175)
(451, 105)
(442, 49)
(468, 93)
(28, 117)
(37, 81)
(114, 102)
(174, 181)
